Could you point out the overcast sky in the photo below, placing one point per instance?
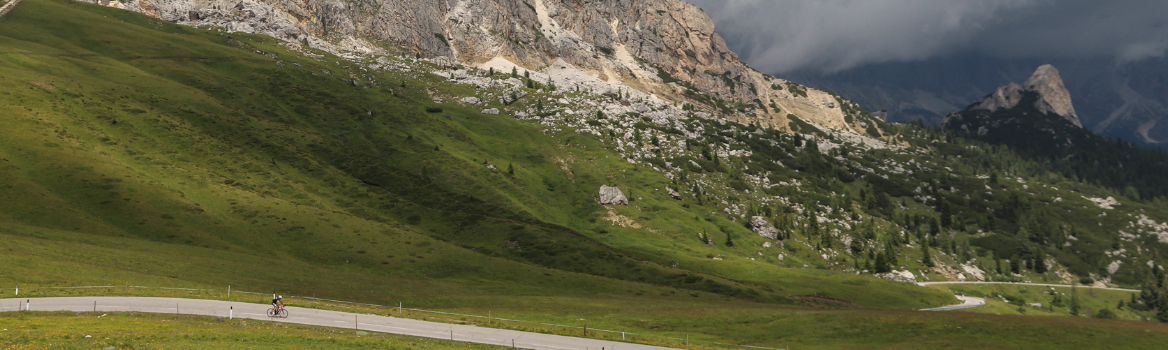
(778, 36)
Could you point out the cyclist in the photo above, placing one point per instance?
(278, 303)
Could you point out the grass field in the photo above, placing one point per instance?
(139, 152)
(843, 329)
(1016, 299)
(151, 331)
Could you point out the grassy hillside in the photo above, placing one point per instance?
(140, 152)
(143, 152)
(150, 331)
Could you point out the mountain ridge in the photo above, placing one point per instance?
(1038, 120)
(1126, 101)
(664, 48)
(1051, 95)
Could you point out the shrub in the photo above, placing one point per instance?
(433, 109)
(665, 76)
(1105, 314)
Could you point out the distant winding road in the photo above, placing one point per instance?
(315, 317)
(968, 302)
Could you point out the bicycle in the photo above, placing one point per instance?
(280, 312)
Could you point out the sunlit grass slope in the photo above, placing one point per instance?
(135, 151)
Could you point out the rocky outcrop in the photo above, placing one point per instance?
(1053, 97)
(899, 276)
(763, 228)
(612, 195)
(667, 48)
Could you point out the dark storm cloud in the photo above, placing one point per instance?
(832, 35)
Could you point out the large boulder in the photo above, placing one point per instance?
(763, 228)
(612, 195)
(899, 276)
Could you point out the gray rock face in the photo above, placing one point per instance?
(612, 195)
(617, 41)
(1053, 97)
(763, 228)
(492, 111)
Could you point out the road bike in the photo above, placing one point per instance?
(280, 312)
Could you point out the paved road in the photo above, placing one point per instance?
(7, 7)
(966, 303)
(1028, 284)
(370, 323)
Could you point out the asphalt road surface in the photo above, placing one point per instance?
(966, 303)
(972, 302)
(314, 317)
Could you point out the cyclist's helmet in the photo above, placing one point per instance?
(281, 297)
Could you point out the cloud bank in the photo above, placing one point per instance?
(833, 35)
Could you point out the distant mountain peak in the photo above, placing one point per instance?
(1053, 97)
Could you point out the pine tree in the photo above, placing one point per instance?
(491, 73)
(511, 169)
(890, 255)
(882, 263)
(928, 261)
(946, 212)
(1040, 260)
(514, 72)
(729, 240)
(1162, 312)
(1074, 300)
(1015, 265)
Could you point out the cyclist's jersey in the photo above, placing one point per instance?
(275, 301)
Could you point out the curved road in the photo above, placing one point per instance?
(314, 317)
(972, 302)
(966, 303)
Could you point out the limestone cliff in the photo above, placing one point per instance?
(668, 48)
(1053, 97)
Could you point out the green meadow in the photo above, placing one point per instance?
(136, 152)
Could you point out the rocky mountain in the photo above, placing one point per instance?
(1126, 101)
(1025, 115)
(665, 48)
(1038, 119)
(428, 169)
(1051, 95)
